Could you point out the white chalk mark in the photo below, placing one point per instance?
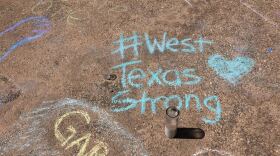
(211, 151)
(262, 16)
(189, 2)
(78, 16)
(33, 9)
(31, 132)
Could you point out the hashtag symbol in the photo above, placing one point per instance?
(131, 42)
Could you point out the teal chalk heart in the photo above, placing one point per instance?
(231, 70)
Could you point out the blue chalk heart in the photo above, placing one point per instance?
(231, 70)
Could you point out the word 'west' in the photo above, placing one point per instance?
(99, 149)
(186, 45)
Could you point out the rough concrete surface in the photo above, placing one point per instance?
(57, 57)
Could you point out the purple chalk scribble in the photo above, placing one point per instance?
(42, 26)
(269, 50)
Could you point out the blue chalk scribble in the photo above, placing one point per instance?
(42, 26)
(233, 70)
(269, 50)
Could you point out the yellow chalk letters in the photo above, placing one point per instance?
(100, 149)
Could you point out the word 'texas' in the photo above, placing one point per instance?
(100, 146)
(156, 77)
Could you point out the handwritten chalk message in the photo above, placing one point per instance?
(100, 146)
(186, 77)
(162, 46)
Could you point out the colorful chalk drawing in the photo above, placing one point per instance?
(231, 70)
(131, 78)
(42, 26)
(30, 135)
(207, 151)
(100, 146)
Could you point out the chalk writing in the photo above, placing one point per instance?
(121, 98)
(233, 70)
(31, 133)
(165, 44)
(59, 136)
(137, 78)
(158, 77)
(42, 26)
(86, 138)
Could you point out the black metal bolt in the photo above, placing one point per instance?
(111, 77)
